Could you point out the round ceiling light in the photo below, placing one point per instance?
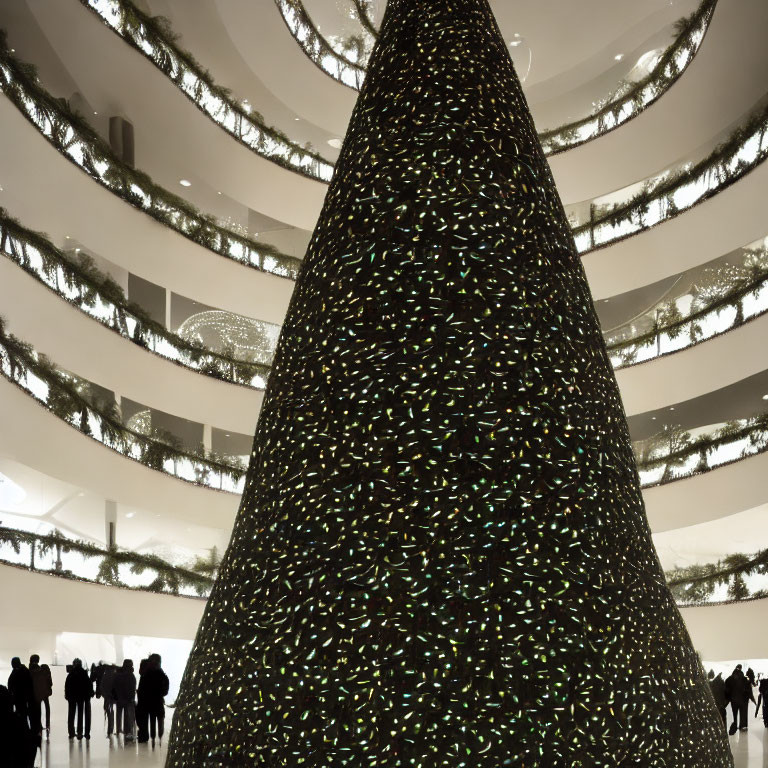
(335, 143)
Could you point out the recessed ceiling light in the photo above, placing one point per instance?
(671, 407)
(185, 183)
(619, 56)
(514, 43)
(218, 193)
(297, 119)
(95, 113)
(77, 250)
(653, 418)
(130, 514)
(765, 397)
(335, 143)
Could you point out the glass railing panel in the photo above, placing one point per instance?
(151, 38)
(74, 138)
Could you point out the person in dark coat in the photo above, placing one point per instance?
(153, 688)
(106, 691)
(17, 744)
(78, 691)
(142, 716)
(35, 704)
(125, 695)
(42, 689)
(762, 689)
(738, 690)
(717, 686)
(20, 688)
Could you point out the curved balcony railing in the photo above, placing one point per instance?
(734, 578)
(317, 48)
(58, 555)
(62, 395)
(151, 37)
(348, 66)
(675, 453)
(633, 98)
(674, 191)
(672, 455)
(723, 298)
(83, 286)
(74, 138)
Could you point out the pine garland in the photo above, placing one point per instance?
(66, 129)
(73, 401)
(142, 31)
(91, 286)
(169, 579)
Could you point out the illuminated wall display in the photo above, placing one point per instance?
(441, 557)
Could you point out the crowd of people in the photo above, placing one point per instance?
(135, 710)
(738, 689)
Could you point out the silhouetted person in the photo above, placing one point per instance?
(153, 688)
(35, 721)
(78, 691)
(42, 688)
(106, 690)
(125, 693)
(739, 692)
(717, 686)
(20, 688)
(142, 716)
(762, 689)
(17, 744)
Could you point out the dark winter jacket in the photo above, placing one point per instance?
(717, 686)
(42, 682)
(153, 687)
(106, 688)
(125, 686)
(738, 689)
(78, 686)
(20, 686)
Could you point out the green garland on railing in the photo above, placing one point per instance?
(678, 446)
(169, 578)
(609, 115)
(696, 583)
(19, 82)
(157, 32)
(663, 186)
(689, 586)
(72, 400)
(81, 274)
(672, 322)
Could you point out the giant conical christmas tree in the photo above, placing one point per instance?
(441, 557)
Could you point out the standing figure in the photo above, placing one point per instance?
(142, 716)
(153, 688)
(106, 689)
(739, 692)
(42, 688)
(78, 691)
(762, 689)
(37, 679)
(717, 686)
(18, 748)
(125, 693)
(20, 688)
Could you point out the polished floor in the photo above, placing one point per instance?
(750, 748)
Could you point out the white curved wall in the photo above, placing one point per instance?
(48, 193)
(36, 438)
(721, 492)
(83, 346)
(731, 631)
(704, 368)
(35, 602)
